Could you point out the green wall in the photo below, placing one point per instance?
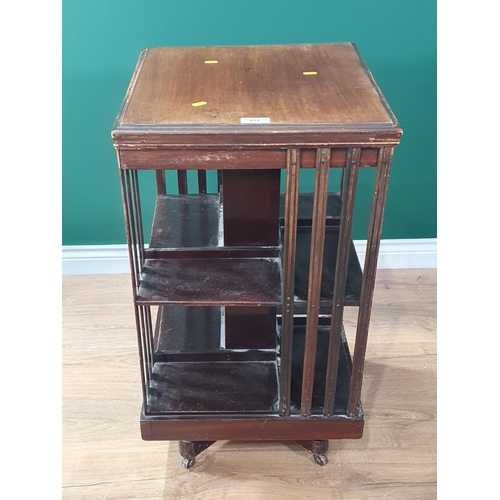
(102, 41)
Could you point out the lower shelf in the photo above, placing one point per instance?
(184, 382)
(343, 374)
(214, 387)
(196, 395)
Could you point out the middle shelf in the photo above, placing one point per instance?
(187, 262)
(211, 281)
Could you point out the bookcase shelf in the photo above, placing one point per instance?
(214, 387)
(210, 281)
(186, 221)
(197, 333)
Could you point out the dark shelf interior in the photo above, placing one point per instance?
(354, 273)
(193, 333)
(216, 334)
(305, 207)
(197, 277)
(211, 281)
(217, 387)
(193, 374)
(304, 229)
(187, 329)
(343, 377)
(185, 221)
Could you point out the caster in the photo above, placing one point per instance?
(187, 463)
(189, 450)
(320, 459)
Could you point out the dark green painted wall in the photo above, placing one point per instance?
(102, 41)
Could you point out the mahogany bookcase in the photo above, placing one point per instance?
(239, 292)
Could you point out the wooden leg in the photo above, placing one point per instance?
(189, 450)
(318, 448)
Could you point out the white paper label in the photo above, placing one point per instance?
(255, 120)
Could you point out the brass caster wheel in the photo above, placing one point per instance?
(187, 463)
(320, 459)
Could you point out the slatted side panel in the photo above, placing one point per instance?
(370, 268)
(135, 240)
(348, 184)
(183, 186)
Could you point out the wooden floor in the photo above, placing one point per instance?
(105, 458)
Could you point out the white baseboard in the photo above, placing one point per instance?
(95, 259)
(113, 259)
(403, 254)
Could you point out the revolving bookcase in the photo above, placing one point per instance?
(240, 279)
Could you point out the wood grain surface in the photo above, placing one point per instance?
(253, 96)
(175, 86)
(105, 458)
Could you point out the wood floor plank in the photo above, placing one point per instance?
(105, 458)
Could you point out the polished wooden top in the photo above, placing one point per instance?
(309, 86)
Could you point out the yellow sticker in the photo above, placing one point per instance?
(211, 62)
(309, 73)
(199, 103)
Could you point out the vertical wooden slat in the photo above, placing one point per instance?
(138, 238)
(202, 181)
(315, 273)
(138, 216)
(370, 269)
(142, 361)
(289, 251)
(219, 181)
(161, 186)
(349, 193)
(146, 352)
(157, 332)
(128, 229)
(149, 336)
(342, 177)
(182, 181)
(131, 221)
(127, 209)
